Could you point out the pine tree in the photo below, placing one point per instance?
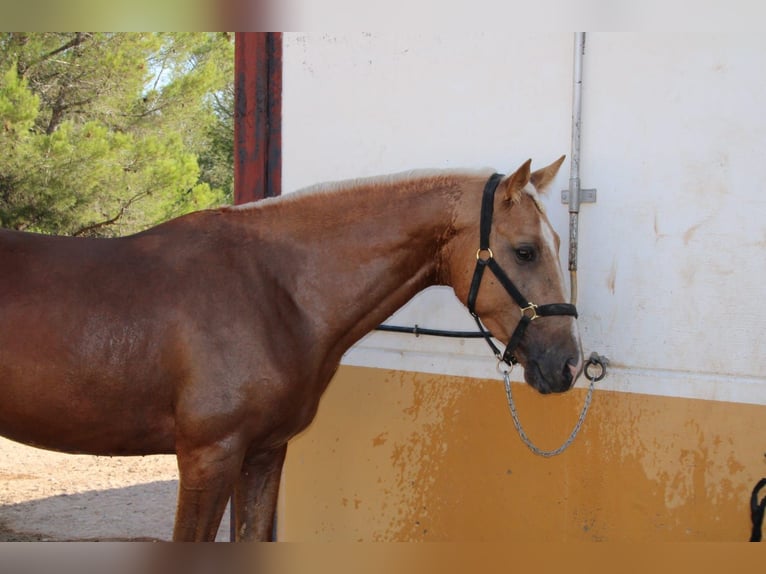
(106, 134)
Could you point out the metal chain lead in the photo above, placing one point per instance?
(520, 429)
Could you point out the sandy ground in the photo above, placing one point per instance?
(49, 496)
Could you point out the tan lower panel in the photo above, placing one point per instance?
(402, 456)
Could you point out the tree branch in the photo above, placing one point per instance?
(79, 38)
(58, 109)
(112, 220)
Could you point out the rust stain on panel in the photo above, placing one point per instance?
(612, 278)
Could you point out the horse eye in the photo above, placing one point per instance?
(525, 254)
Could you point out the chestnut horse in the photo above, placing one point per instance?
(212, 336)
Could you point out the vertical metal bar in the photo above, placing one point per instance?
(574, 173)
(257, 128)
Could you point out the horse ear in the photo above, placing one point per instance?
(542, 178)
(514, 183)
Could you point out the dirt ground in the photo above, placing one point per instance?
(49, 496)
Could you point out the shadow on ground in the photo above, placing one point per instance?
(143, 512)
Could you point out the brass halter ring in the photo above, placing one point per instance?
(489, 253)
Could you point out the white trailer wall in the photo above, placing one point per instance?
(672, 256)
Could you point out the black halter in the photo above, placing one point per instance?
(485, 258)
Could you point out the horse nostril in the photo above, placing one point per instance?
(571, 370)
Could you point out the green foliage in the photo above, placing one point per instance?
(107, 134)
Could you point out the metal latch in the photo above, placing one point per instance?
(586, 196)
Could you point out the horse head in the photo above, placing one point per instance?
(520, 301)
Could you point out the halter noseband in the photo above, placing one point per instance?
(485, 258)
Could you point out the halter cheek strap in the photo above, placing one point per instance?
(486, 259)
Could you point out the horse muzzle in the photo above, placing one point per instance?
(553, 374)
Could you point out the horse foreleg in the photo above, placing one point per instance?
(207, 477)
(255, 495)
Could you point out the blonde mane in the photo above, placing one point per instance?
(419, 176)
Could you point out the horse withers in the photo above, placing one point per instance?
(212, 336)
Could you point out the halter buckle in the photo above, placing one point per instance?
(532, 309)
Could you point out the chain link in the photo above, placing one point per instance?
(520, 429)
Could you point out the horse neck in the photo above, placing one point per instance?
(367, 249)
